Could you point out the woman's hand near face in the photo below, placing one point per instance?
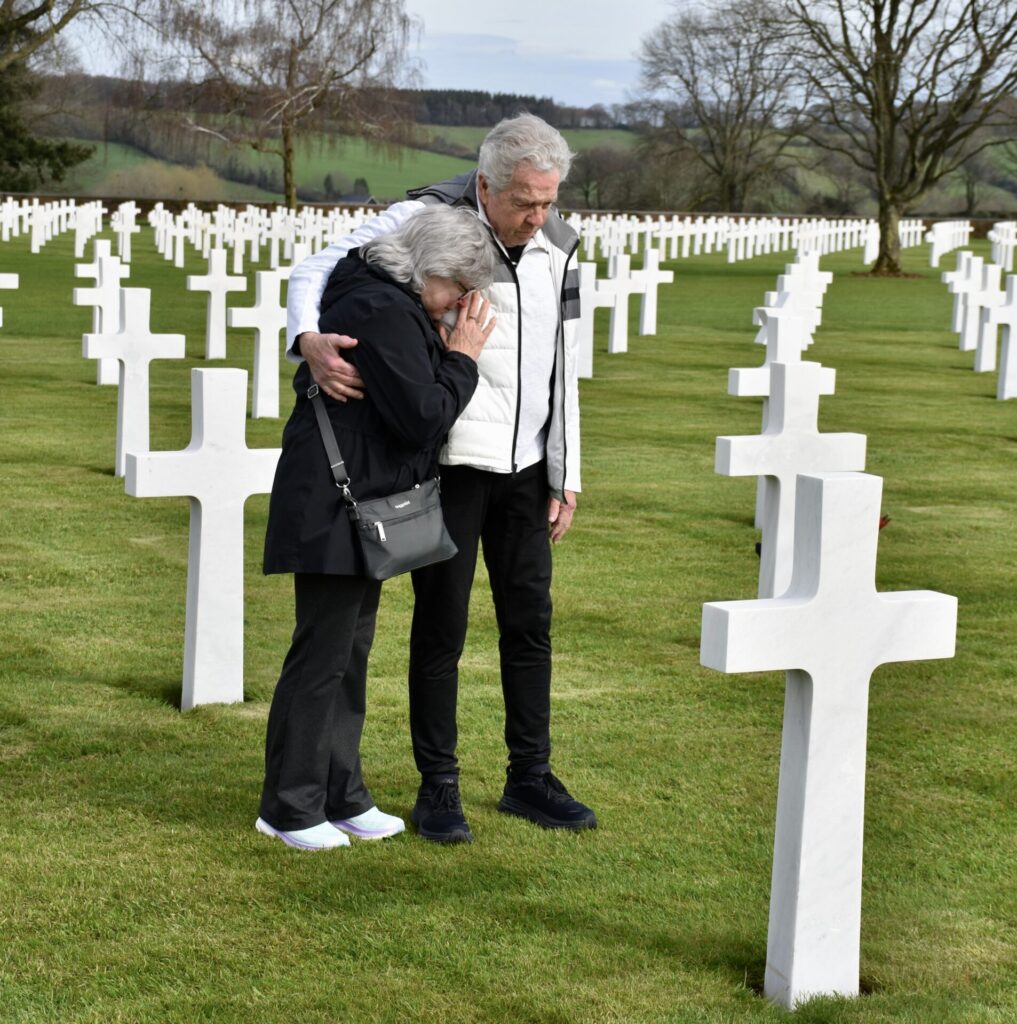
(473, 326)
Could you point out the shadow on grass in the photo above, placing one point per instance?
(155, 688)
(170, 692)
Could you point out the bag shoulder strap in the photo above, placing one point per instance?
(335, 459)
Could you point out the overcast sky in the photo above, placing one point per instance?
(578, 52)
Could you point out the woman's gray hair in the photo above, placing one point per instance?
(439, 241)
(524, 138)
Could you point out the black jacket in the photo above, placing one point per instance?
(414, 391)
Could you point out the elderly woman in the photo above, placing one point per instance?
(391, 295)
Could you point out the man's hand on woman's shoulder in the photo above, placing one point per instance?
(336, 377)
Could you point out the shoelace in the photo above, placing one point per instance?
(556, 791)
(445, 798)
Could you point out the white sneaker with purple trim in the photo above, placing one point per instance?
(372, 824)
(318, 837)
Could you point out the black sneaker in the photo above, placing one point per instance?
(544, 799)
(438, 812)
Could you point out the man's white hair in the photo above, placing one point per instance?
(523, 139)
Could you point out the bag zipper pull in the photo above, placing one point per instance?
(381, 531)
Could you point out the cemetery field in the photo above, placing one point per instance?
(133, 887)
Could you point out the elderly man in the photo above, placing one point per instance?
(509, 476)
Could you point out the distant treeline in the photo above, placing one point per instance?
(486, 109)
(451, 107)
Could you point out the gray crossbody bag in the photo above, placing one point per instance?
(397, 533)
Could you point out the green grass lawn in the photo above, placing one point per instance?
(133, 887)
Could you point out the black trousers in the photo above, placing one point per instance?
(507, 513)
(312, 746)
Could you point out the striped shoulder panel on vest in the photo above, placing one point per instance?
(570, 294)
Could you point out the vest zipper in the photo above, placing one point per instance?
(564, 380)
(519, 364)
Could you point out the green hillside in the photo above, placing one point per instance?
(388, 170)
(116, 169)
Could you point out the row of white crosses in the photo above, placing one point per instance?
(44, 221)
(980, 308)
(1003, 237)
(285, 233)
(108, 272)
(911, 232)
(946, 235)
(787, 321)
(819, 618)
(217, 471)
(613, 293)
(123, 344)
(677, 237)
(799, 291)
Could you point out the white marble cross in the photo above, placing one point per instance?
(87, 222)
(123, 225)
(268, 317)
(621, 284)
(592, 298)
(300, 253)
(176, 232)
(589, 300)
(134, 346)
(1005, 315)
(8, 281)
(790, 444)
(786, 334)
(108, 272)
(967, 287)
(217, 282)
(651, 275)
(989, 296)
(951, 278)
(947, 235)
(218, 472)
(829, 631)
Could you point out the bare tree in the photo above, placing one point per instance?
(903, 86)
(717, 85)
(596, 174)
(29, 27)
(270, 69)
